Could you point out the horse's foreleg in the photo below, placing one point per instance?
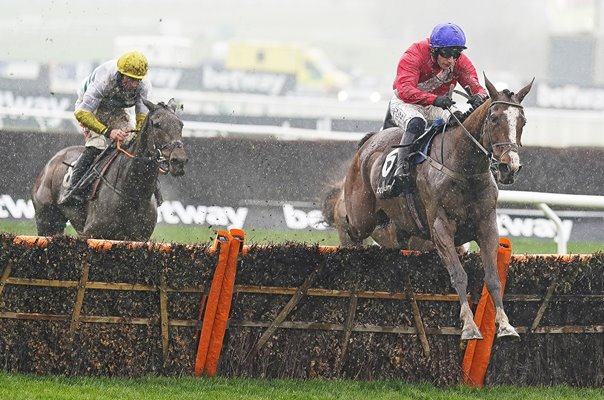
(488, 241)
(442, 235)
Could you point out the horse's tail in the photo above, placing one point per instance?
(329, 202)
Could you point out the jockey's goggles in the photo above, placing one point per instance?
(448, 52)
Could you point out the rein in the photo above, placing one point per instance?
(159, 158)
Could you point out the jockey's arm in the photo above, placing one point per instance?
(90, 121)
(469, 77)
(140, 118)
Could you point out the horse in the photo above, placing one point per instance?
(122, 207)
(455, 197)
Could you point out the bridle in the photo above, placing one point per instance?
(159, 157)
(511, 146)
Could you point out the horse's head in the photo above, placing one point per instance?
(502, 130)
(164, 130)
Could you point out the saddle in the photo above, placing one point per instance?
(98, 174)
(420, 147)
(91, 180)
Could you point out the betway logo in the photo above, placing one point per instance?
(242, 81)
(570, 96)
(15, 209)
(165, 77)
(299, 219)
(531, 227)
(170, 212)
(173, 212)
(52, 103)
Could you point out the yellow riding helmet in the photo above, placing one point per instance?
(133, 64)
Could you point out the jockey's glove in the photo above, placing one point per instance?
(443, 102)
(475, 100)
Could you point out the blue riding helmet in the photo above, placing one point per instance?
(447, 35)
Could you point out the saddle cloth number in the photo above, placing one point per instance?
(389, 163)
(67, 176)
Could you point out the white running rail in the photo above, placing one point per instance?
(544, 200)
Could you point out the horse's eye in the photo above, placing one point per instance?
(156, 125)
(493, 118)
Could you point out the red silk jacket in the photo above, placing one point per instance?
(419, 79)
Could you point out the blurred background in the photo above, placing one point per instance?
(291, 75)
(216, 56)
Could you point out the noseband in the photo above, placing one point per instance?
(159, 157)
(164, 163)
(512, 145)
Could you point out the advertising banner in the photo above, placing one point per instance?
(269, 184)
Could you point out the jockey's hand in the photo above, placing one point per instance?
(475, 100)
(443, 102)
(118, 134)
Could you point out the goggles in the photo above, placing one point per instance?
(448, 52)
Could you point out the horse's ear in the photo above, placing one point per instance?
(150, 105)
(524, 91)
(174, 106)
(493, 93)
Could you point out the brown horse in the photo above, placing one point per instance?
(123, 207)
(455, 199)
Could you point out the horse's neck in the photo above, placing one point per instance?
(465, 155)
(142, 143)
(137, 175)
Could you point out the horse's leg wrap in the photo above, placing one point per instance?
(71, 193)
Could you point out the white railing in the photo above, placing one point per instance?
(195, 128)
(544, 200)
(547, 127)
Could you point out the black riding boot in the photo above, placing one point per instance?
(72, 194)
(402, 175)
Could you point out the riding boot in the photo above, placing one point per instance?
(402, 179)
(73, 194)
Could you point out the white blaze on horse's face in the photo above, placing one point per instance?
(513, 115)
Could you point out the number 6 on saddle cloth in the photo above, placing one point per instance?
(420, 147)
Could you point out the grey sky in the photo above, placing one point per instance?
(503, 35)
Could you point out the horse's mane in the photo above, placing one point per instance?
(477, 115)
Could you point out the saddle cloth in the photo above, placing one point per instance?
(420, 147)
(91, 180)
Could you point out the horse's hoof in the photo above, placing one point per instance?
(507, 331)
(470, 334)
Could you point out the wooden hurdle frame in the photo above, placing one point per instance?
(216, 309)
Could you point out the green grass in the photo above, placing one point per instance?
(204, 234)
(14, 386)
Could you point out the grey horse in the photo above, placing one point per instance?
(123, 207)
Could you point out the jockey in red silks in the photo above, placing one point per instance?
(426, 75)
